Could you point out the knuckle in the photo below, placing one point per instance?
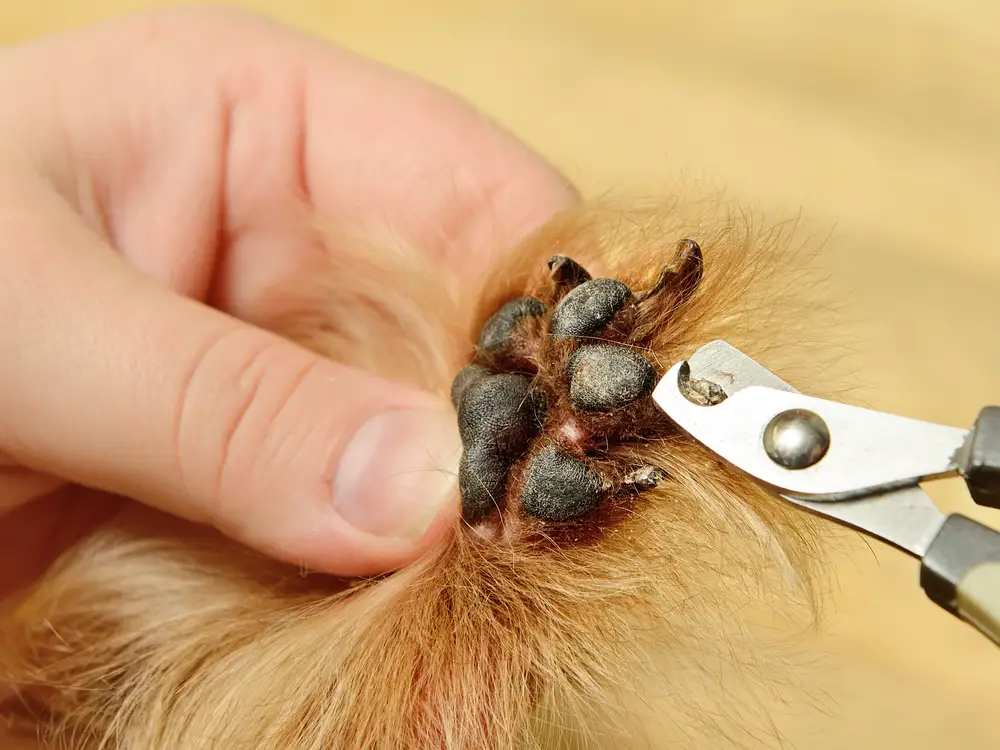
(237, 386)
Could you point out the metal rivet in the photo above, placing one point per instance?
(796, 439)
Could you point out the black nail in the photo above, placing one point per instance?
(682, 276)
(566, 271)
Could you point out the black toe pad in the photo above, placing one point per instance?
(589, 308)
(497, 331)
(604, 377)
(559, 487)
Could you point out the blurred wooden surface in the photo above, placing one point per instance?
(879, 116)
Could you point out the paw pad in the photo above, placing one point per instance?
(537, 421)
(498, 331)
(559, 487)
(604, 377)
(589, 307)
(498, 416)
(465, 378)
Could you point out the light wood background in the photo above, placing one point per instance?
(881, 117)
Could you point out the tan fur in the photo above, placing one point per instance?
(158, 636)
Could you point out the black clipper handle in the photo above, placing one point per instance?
(961, 573)
(982, 464)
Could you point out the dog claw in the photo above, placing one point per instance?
(566, 271)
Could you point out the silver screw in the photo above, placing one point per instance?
(796, 439)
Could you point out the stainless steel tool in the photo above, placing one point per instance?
(855, 466)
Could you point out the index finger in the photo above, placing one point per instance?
(190, 125)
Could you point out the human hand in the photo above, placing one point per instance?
(139, 163)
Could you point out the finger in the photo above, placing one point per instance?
(256, 114)
(115, 382)
(463, 188)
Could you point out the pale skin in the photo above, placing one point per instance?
(143, 164)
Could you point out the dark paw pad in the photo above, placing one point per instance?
(482, 476)
(498, 417)
(604, 377)
(498, 331)
(539, 409)
(501, 411)
(589, 308)
(559, 488)
(466, 377)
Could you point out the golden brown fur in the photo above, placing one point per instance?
(155, 635)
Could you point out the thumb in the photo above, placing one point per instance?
(117, 383)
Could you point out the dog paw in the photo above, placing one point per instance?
(558, 382)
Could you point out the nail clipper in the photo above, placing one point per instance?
(858, 467)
